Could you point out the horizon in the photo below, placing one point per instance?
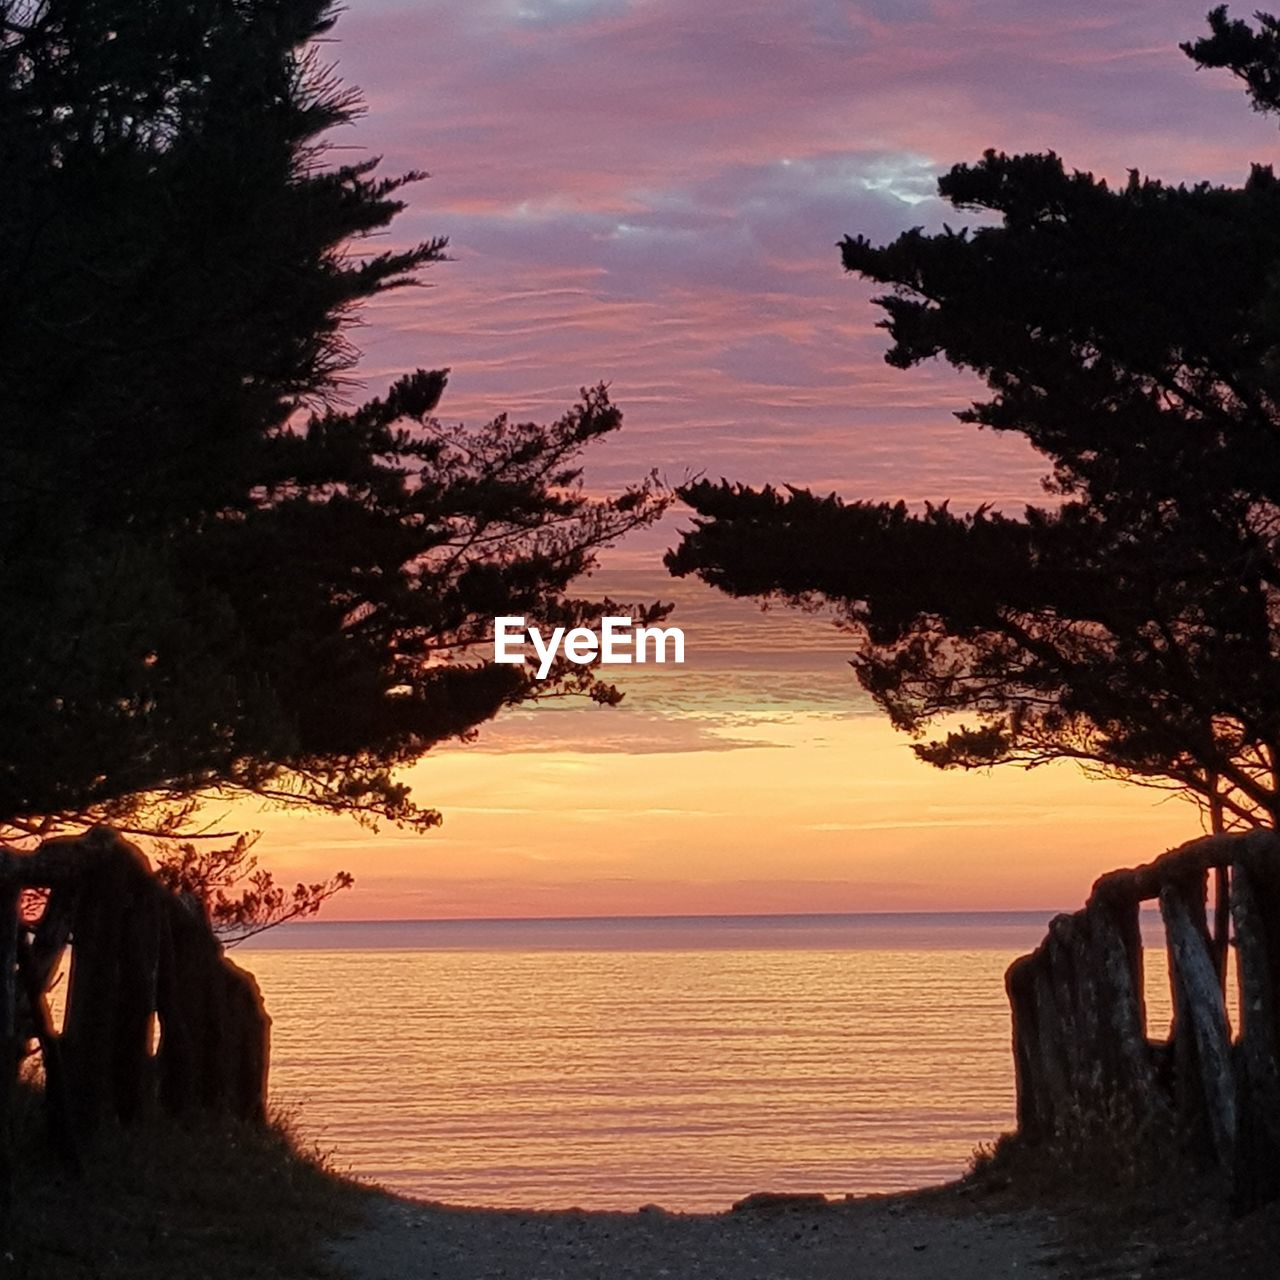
(836, 932)
(691, 916)
(675, 238)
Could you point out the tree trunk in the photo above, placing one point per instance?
(57, 1102)
(1206, 1076)
(1255, 901)
(9, 895)
(110, 994)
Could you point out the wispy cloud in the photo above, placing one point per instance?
(650, 192)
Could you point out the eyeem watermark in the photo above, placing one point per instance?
(620, 641)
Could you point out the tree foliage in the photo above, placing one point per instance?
(217, 574)
(241, 896)
(1132, 336)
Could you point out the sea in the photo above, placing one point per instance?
(614, 1063)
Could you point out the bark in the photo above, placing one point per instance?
(138, 954)
(1123, 1045)
(8, 1052)
(1035, 1121)
(249, 1043)
(1144, 883)
(105, 1042)
(1255, 904)
(1079, 1018)
(1203, 1036)
(215, 1032)
(57, 1101)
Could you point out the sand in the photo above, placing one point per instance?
(877, 1238)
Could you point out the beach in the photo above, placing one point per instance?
(988, 1226)
(873, 1239)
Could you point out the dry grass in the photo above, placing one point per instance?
(1108, 1154)
(178, 1202)
(1127, 1216)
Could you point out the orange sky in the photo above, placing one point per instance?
(756, 778)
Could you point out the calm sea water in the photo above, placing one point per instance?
(609, 1064)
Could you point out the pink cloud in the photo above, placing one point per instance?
(650, 192)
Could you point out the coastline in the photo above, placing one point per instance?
(922, 1235)
(206, 1203)
(998, 1223)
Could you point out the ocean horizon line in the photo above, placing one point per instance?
(683, 917)
(826, 930)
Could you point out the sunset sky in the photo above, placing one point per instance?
(649, 193)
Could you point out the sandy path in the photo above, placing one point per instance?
(878, 1239)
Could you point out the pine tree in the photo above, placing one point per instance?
(216, 576)
(1132, 336)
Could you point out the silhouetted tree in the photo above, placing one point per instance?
(216, 577)
(241, 896)
(1132, 336)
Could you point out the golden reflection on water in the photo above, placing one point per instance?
(1155, 964)
(610, 1079)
